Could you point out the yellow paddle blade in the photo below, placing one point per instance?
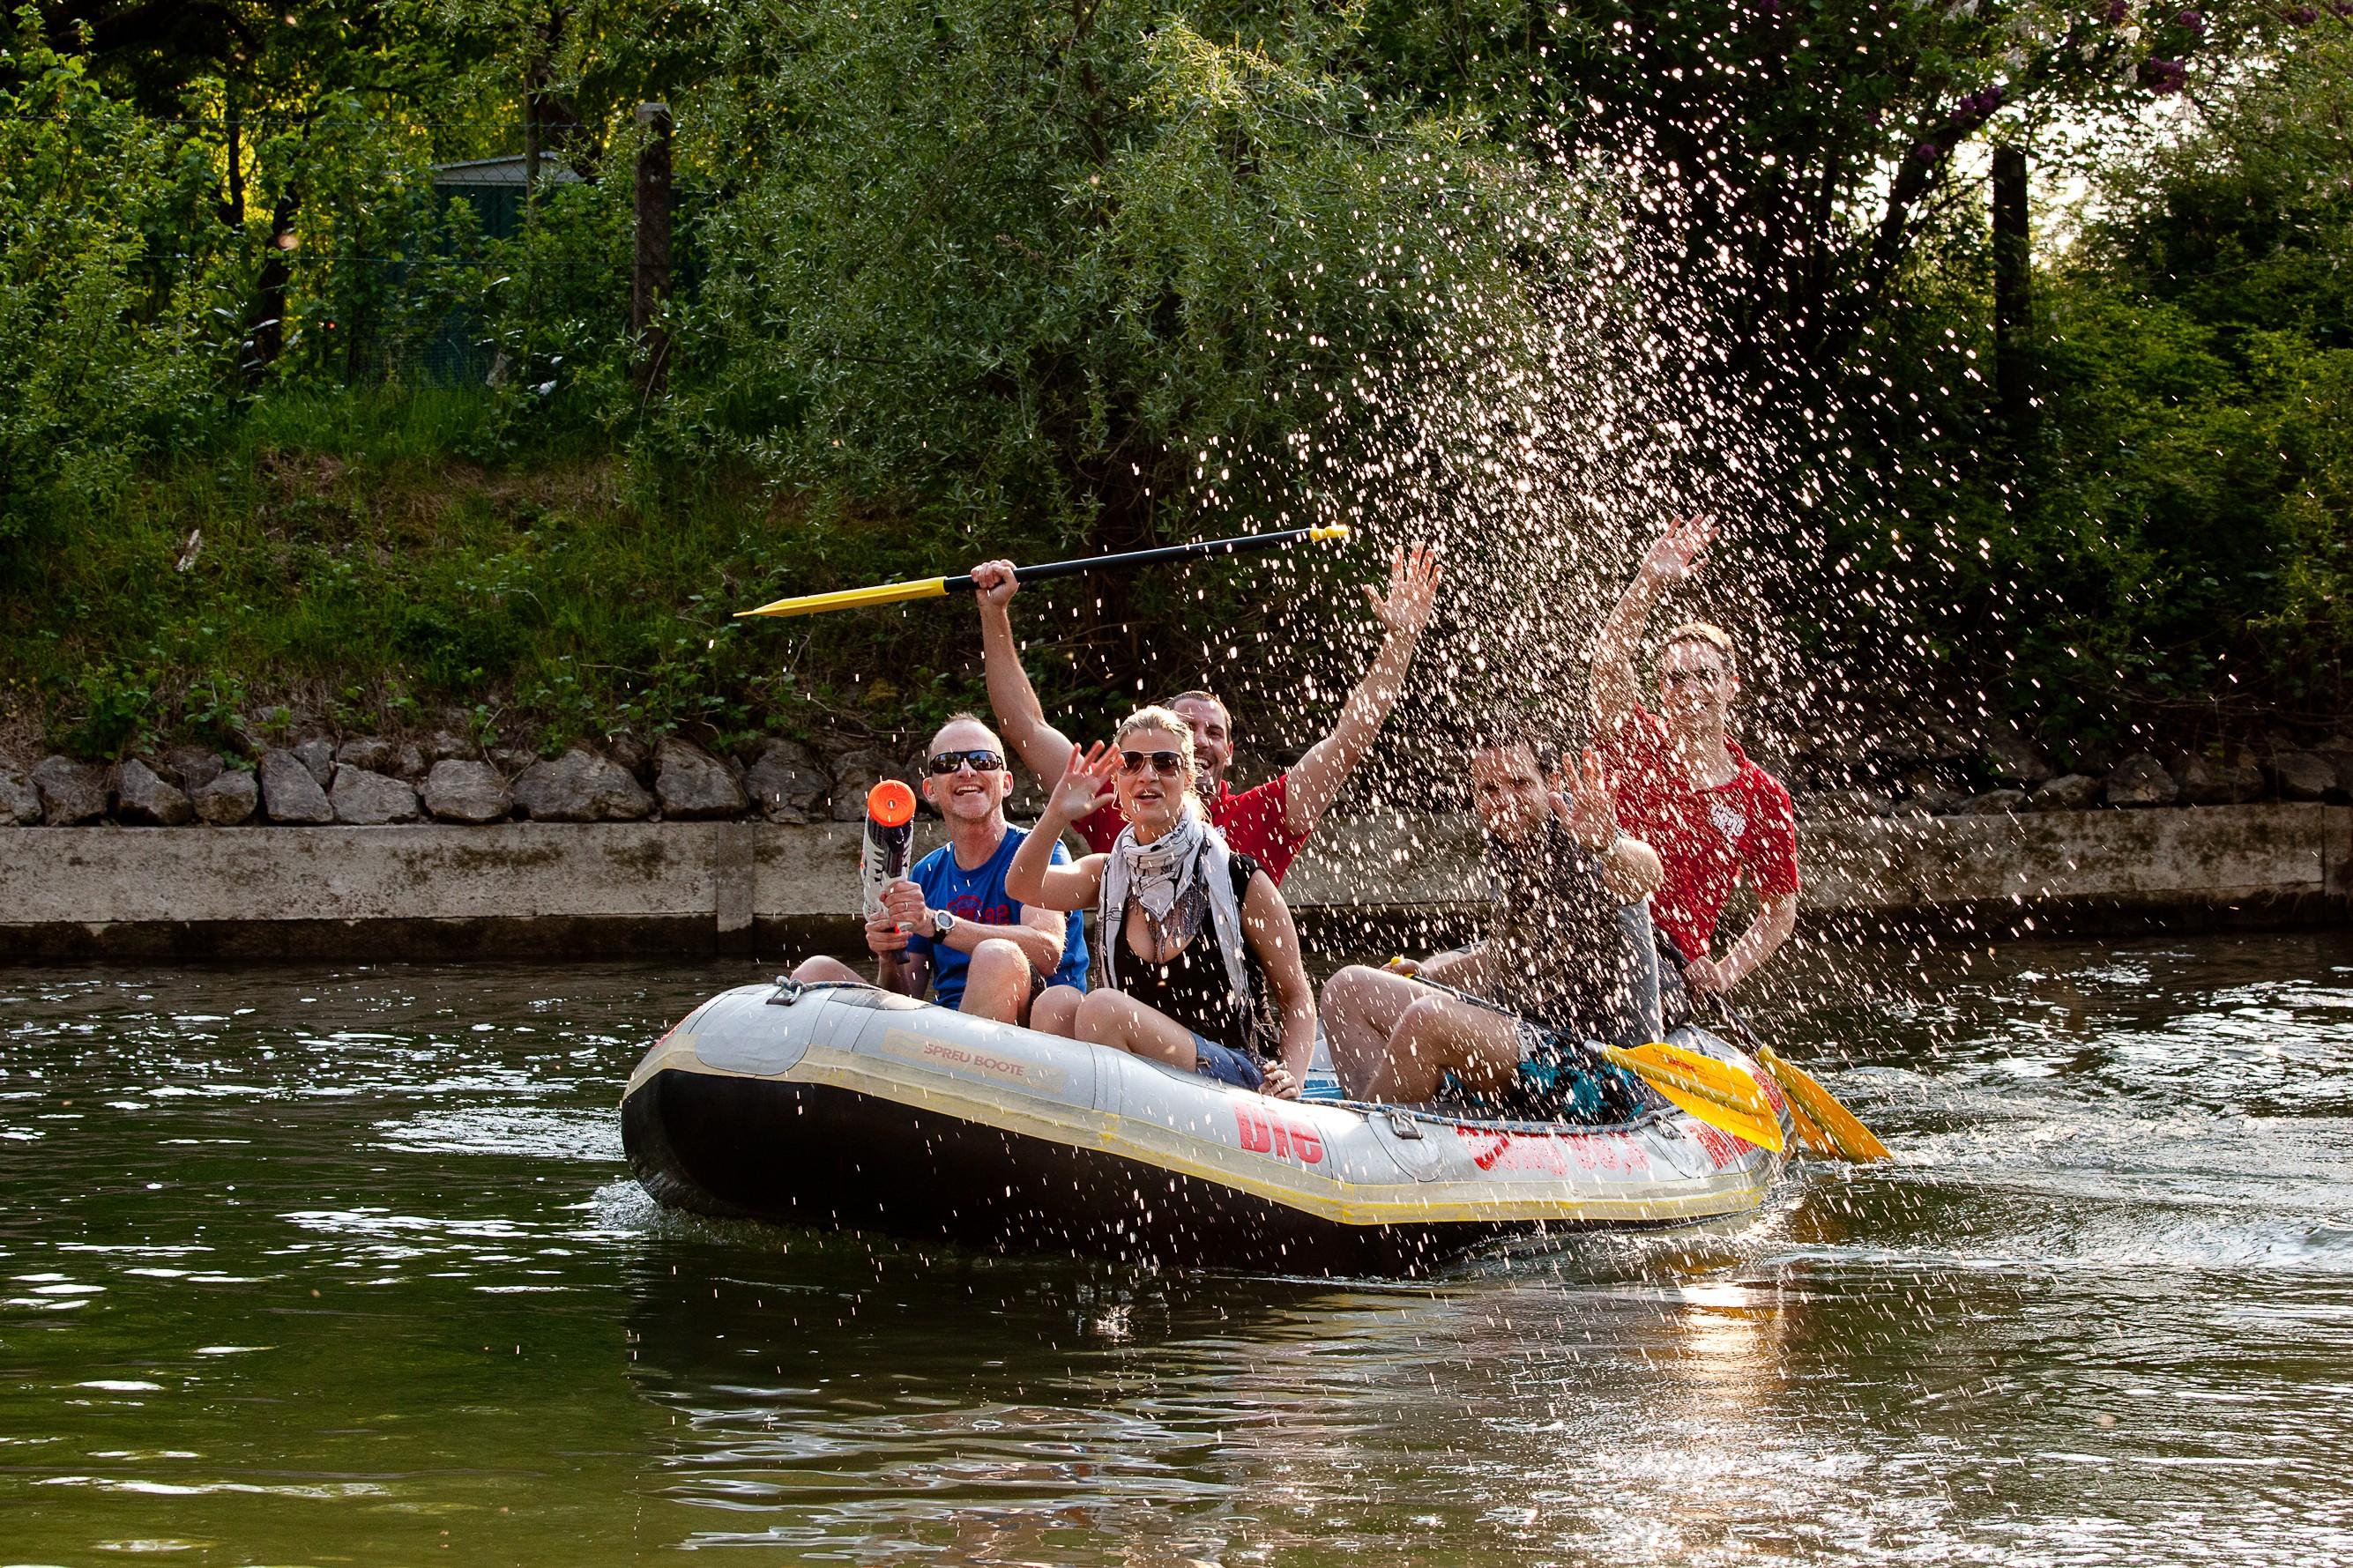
(1848, 1137)
(853, 598)
(1712, 1096)
(1329, 531)
(1815, 1140)
(1719, 1080)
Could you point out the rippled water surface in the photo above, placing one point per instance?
(341, 1265)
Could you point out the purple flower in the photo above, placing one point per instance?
(2119, 9)
(1926, 151)
(2163, 76)
(2192, 20)
(2301, 16)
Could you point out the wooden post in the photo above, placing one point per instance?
(2013, 299)
(649, 282)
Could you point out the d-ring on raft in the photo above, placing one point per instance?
(841, 1107)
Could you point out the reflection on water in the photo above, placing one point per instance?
(309, 1265)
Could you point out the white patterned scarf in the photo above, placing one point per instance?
(1160, 876)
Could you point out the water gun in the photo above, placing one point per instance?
(890, 842)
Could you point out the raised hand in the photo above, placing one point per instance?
(1085, 783)
(993, 583)
(1590, 811)
(1413, 591)
(1672, 556)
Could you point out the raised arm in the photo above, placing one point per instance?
(1275, 938)
(1316, 778)
(1033, 878)
(1020, 717)
(1616, 687)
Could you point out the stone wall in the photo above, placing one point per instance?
(538, 889)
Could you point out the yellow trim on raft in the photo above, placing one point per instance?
(1169, 1150)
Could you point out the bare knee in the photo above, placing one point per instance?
(998, 981)
(999, 960)
(1350, 988)
(1102, 1018)
(821, 969)
(1057, 1012)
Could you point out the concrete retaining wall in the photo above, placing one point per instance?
(537, 889)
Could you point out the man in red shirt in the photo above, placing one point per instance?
(1271, 821)
(1685, 787)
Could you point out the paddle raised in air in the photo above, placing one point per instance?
(940, 587)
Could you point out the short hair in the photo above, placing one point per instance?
(1502, 729)
(1170, 703)
(1706, 632)
(1155, 717)
(966, 718)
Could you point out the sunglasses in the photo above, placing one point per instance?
(1169, 763)
(1687, 677)
(979, 762)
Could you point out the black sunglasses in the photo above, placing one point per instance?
(1169, 763)
(978, 761)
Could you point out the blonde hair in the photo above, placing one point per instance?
(1155, 717)
(1708, 633)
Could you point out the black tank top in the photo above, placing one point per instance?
(1191, 988)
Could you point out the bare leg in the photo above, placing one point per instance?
(1057, 1012)
(1360, 1008)
(1111, 1018)
(997, 985)
(1438, 1034)
(813, 971)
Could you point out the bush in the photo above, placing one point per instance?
(110, 302)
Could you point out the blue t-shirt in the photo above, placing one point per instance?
(980, 896)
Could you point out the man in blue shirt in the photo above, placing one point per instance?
(950, 928)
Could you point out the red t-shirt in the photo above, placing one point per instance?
(1252, 822)
(1705, 837)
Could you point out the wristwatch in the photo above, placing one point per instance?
(943, 922)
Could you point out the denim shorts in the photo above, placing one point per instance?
(1223, 1064)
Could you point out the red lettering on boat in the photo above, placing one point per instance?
(1266, 1132)
(1724, 1148)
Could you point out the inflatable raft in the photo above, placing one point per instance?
(845, 1107)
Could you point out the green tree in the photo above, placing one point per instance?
(1080, 266)
(103, 309)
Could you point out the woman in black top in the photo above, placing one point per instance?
(1198, 965)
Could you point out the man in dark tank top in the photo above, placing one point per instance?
(1566, 951)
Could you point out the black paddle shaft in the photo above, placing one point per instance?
(958, 583)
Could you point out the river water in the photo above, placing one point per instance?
(341, 1265)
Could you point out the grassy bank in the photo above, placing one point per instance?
(363, 561)
(389, 561)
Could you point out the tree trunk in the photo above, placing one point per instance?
(2013, 299)
(265, 333)
(649, 279)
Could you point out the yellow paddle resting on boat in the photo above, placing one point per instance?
(1716, 1092)
(1823, 1125)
